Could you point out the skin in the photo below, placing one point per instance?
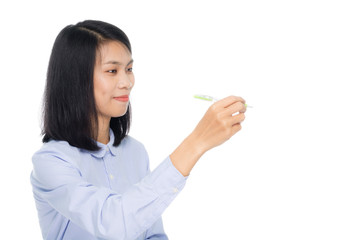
(113, 77)
(217, 126)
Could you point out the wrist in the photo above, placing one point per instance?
(195, 144)
(187, 154)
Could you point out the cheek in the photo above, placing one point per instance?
(102, 92)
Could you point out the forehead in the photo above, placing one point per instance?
(112, 51)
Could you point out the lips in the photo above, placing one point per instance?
(123, 98)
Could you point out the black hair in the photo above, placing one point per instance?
(69, 109)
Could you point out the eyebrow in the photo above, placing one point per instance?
(118, 63)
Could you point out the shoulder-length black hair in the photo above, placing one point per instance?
(69, 110)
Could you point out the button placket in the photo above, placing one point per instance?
(107, 166)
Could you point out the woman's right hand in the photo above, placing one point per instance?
(218, 125)
(219, 122)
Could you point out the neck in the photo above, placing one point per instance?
(103, 132)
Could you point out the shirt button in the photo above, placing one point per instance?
(111, 176)
(175, 190)
(107, 148)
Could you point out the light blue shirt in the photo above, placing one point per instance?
(108, 194)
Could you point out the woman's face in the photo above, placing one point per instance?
(113, 80)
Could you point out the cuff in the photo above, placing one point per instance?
(167, 181)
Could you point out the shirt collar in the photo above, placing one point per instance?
(107, 147)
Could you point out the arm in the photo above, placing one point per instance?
(217, 126)
(107, 214)
(101, 211)
(156, 232)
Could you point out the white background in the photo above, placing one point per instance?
(292, 172)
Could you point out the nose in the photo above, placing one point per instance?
(125, 81)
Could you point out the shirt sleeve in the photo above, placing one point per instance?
(156, 232)
(102, 211)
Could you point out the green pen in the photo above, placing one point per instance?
(210, 98)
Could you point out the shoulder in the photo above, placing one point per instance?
(57, 147)
(131, 143)
(54, 161)
(133, 150)
(56, 151)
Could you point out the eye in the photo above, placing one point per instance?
(112, 71)
(130, 69)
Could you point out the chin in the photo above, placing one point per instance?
(118, 114)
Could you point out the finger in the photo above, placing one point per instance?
(235, 128)
(225, 102)
(237, 119)
(236, 107)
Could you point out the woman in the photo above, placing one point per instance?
(90, 179)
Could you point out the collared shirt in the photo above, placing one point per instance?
(108, 194)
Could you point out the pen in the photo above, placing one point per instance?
(210, 98)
